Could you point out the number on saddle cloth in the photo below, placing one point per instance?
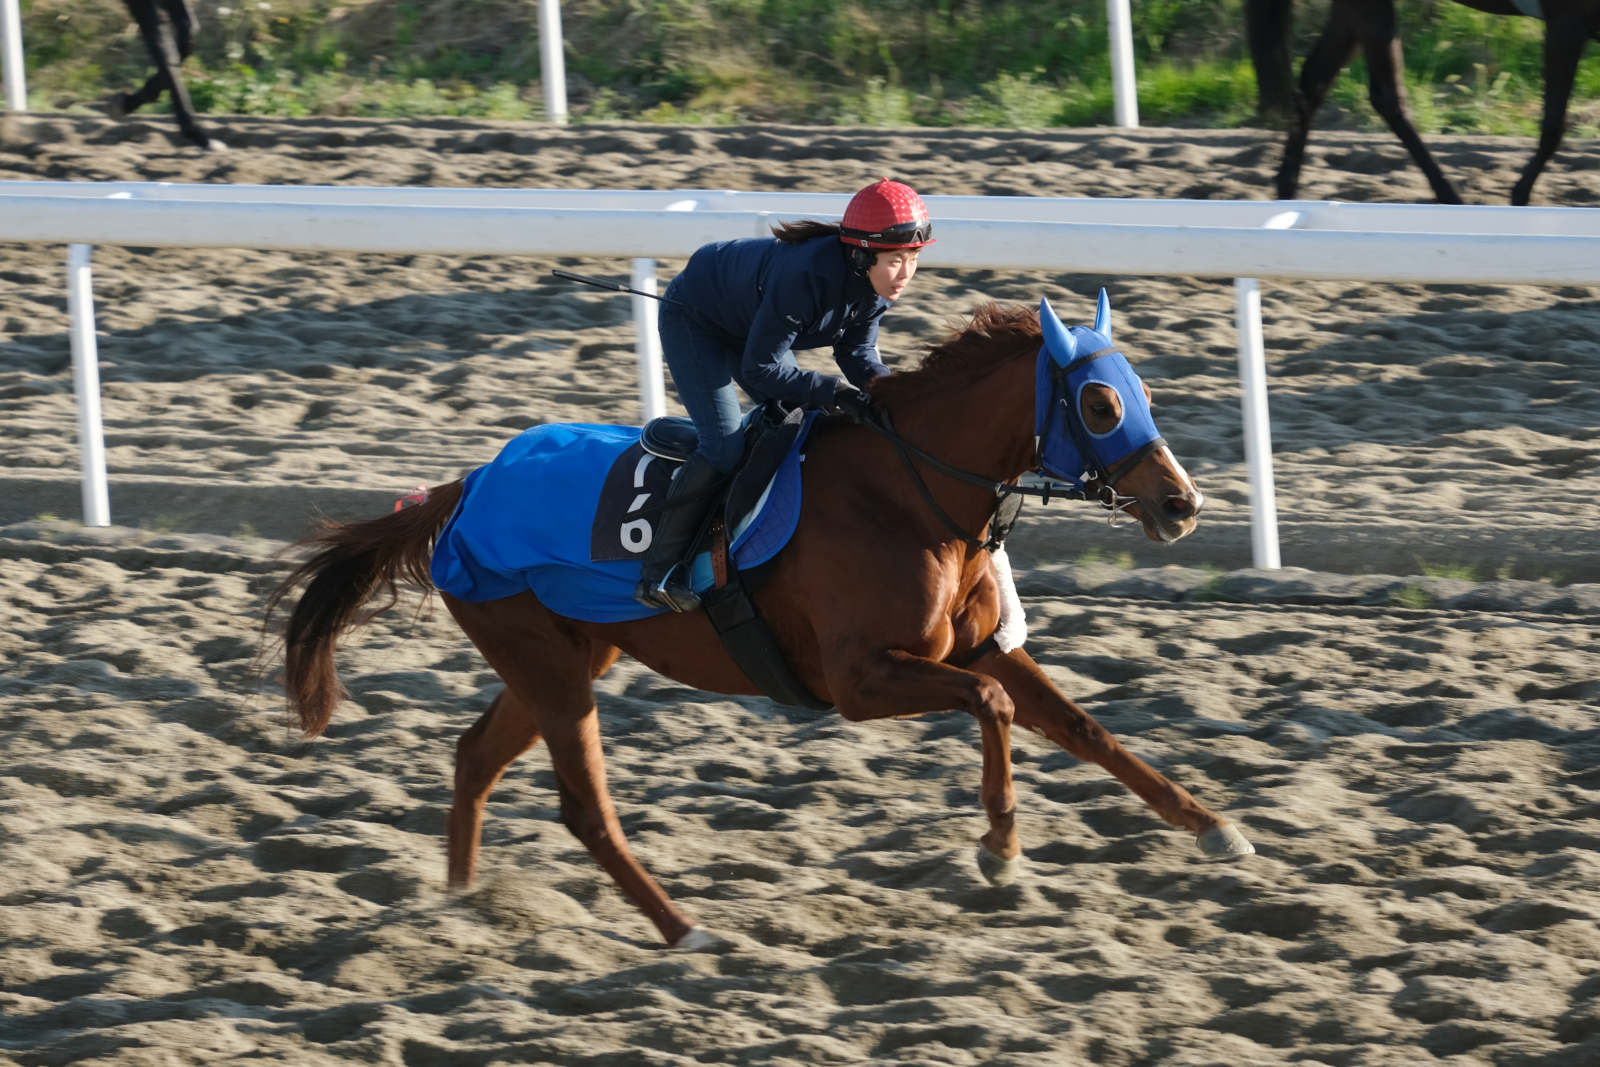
(624, 521)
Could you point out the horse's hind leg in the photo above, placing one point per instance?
(586, 810)
(163, 43)
(124, 104)
(1563, 47)
(1385, 88)
(548, 667)
(1041, 707)
(501, 734)
(1328, 56)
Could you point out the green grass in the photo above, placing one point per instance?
(1411, 596)
(1464, 571)
(1091, 556)
(993, 63)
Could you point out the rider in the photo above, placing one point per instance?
(734, 317)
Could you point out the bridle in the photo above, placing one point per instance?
(1101, 476)
(1099, 485)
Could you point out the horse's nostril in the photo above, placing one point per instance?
(1181, 506)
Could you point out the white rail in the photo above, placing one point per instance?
(965, 243)
(1239, 239)
(1318, 214)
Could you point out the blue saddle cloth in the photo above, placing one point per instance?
(550, 514)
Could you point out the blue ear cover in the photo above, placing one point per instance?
(1057, 341)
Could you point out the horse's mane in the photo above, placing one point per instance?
(995, 333)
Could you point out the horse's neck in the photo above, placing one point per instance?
(984, 427)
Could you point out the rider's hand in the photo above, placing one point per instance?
(852, 403)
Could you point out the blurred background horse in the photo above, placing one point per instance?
(1371, 27)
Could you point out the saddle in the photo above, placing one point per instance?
(770, 436)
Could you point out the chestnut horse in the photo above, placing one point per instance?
(1369, 25)
(883, 589)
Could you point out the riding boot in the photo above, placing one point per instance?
(663, 583)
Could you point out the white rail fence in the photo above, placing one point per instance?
(1239, 239)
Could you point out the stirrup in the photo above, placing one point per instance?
(677, 599)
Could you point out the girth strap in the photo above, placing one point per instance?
(750, 643)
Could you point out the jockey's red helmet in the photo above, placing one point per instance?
(885, 215)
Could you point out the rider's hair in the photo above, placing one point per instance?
(793, 233)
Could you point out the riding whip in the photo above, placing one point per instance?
(601, 283)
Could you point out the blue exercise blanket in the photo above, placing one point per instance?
(551, 515)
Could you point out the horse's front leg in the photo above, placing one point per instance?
(898, 683)
(1040, 707)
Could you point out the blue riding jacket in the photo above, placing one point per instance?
(766, 298)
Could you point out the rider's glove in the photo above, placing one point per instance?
(852, 403)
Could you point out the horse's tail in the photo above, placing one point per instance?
(353, 562)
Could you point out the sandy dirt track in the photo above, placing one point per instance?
(1414, 757)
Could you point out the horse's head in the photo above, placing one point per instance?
(1095, 430)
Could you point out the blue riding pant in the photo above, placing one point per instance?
(702, 361)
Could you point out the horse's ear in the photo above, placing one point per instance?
(1057, 340)
(1102, 316)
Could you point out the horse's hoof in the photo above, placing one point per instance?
(216, 146)
(997, 870)
(1225, 842)
(117, 106)
(698, 939)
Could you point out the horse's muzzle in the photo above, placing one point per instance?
(1176, 516)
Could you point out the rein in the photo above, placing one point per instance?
(1008, 497)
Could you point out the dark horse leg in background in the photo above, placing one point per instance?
(169, 42)
(1267, 26)
(1370, 25)
(1568, 26)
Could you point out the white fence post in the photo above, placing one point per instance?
(1124, 87)
(86, 383)
(647, 341)
(1253, 403)
(552, 64)
(647, 335)
(11, 55)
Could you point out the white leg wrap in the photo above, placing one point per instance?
(1013, 629)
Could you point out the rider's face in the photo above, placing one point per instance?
(891, 272)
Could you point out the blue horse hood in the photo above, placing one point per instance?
(1072, 358)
